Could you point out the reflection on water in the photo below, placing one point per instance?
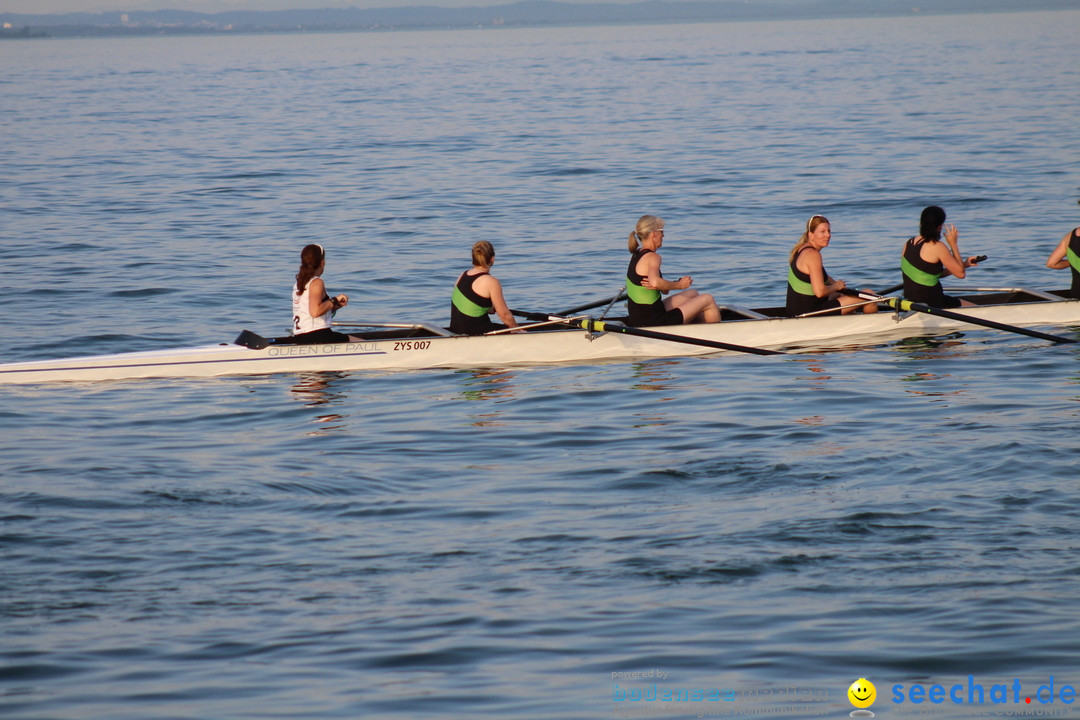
(487, 384)
(924, 347)
(491, 385)
(653, 376)
(317, 389)
(813, 363)
(921, 377)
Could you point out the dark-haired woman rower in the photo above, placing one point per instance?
(810, 288)
(925, 259)
(311, 306)
(644, 284)
(1067, 255)
(477, 294)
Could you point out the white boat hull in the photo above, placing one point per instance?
(538, 347)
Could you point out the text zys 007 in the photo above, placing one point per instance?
(412, 345)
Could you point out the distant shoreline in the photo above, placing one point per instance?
(515, 15)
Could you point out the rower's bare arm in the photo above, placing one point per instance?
(650, 273)
(951, 259)
(811, 264)
(499, 304)
(649, 269)
(317, 306)
(1058, 259)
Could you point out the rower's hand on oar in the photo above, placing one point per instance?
(684, 282)
(974, 260)
(338, 302)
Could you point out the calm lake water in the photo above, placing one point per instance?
(756, 533)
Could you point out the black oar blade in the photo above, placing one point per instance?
(251, 340)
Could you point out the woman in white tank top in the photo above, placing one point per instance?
(312, 307)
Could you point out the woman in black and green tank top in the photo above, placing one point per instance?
(645, 286)
(477, 294)
(1067, 255)
(926, 259)
(810, 288)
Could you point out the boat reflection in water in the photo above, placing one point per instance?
(493, 386)
(655, 376)
(317, 390)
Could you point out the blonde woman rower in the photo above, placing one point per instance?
(810, 288)
(645, 285)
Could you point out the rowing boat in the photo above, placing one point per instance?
(390, 346)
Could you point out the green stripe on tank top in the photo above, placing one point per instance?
(467, 306)
(920, 276)
(1074, 259)
(640, 295)
(800, 286)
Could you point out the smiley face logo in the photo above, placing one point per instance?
(862, 693)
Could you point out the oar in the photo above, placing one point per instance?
(908, 306)
(533, 326)
(603, 326)
(572, 311)
(606, 301)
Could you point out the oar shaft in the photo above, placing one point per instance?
(589, 306)
(601, 326)
(572, 311)
(909, 306)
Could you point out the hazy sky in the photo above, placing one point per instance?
(213, 6)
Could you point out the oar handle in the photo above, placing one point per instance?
(889, 290)
(530, 315)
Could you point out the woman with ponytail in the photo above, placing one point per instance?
(312, 307)
(645, 284)
(926, 259)
(810, 288)
(477, 294)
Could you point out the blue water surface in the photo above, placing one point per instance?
(532, 542)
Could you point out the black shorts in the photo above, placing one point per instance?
(948, 302)
(324, 335)
(802, 304)
(932, 296)
(654, 316)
